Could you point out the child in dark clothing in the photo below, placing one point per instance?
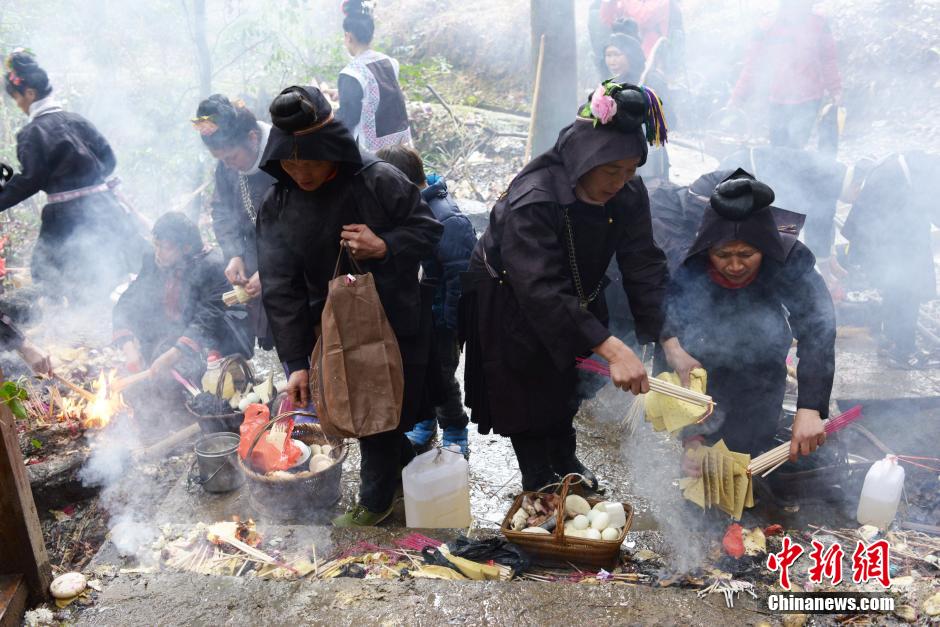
(444, 268)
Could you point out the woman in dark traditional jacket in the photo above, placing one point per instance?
(534, 295)
(234, 137)
(87, 243)
(172, 315)
(747, 288)
(328, 192)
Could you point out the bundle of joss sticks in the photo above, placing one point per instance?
(772, 460)
(656, 385)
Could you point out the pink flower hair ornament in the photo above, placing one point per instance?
(628, 107)
(603, 107)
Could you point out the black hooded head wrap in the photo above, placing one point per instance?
(631, 48)
(739, 208)
(304, 129)
(589, 142)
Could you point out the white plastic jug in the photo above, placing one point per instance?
(881, 493)
(437, 490)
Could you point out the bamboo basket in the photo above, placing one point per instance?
(231, 421)
(558, 549)
(296, 496)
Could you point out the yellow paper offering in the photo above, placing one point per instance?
(724, 482)
(671, 414)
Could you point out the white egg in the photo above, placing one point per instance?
(68, 585)
(591, 515)
(601, 521)
(599, 505)
(575, 505)
(611, 533)
(574, 533)
(581, 522)
(537, 530)
(315, 449)
(244, 403)
(326, 449)
(592, 534)
(320, 462)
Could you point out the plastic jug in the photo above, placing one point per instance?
(881, 493)
(437, 490)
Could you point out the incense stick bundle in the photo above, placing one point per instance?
(656, 385)
(237, 296)
(775, 458)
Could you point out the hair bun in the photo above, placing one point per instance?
(22, 62)
(626, 26)
(218, 107)
(299, 108)
(632, 108)
(357, 7)
(738, 197)
(25, 73)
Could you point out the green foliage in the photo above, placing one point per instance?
(415, 77)
(13, 395)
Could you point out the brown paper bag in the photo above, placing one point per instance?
(357, 379)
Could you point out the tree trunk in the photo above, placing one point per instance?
(203, 56)
(204, 65)
(557, 102)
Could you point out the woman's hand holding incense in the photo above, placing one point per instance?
(236, 273)
(363, 243)
(809, 432)
(253, 286)
(298, 388)
(680, 361)
(626, 369)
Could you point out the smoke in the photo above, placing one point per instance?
(652, 460)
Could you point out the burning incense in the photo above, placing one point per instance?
(777, 457)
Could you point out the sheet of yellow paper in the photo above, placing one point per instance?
(678, 414)
(706, 483)
(714, 480)
(727, 480)
(695, 492)
(740, 492)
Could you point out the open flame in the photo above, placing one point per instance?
(97, 413)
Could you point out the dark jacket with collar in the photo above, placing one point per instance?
(525, 327)
(452, 256)
(299, 242)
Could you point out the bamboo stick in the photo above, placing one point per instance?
(88, 396)
(535, 100)
(126, 382)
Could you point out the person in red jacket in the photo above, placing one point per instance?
(792, 66)
(655, 18)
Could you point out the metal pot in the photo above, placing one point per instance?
(217, 458)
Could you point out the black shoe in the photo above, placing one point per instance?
(565, 462)
(535, 463)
